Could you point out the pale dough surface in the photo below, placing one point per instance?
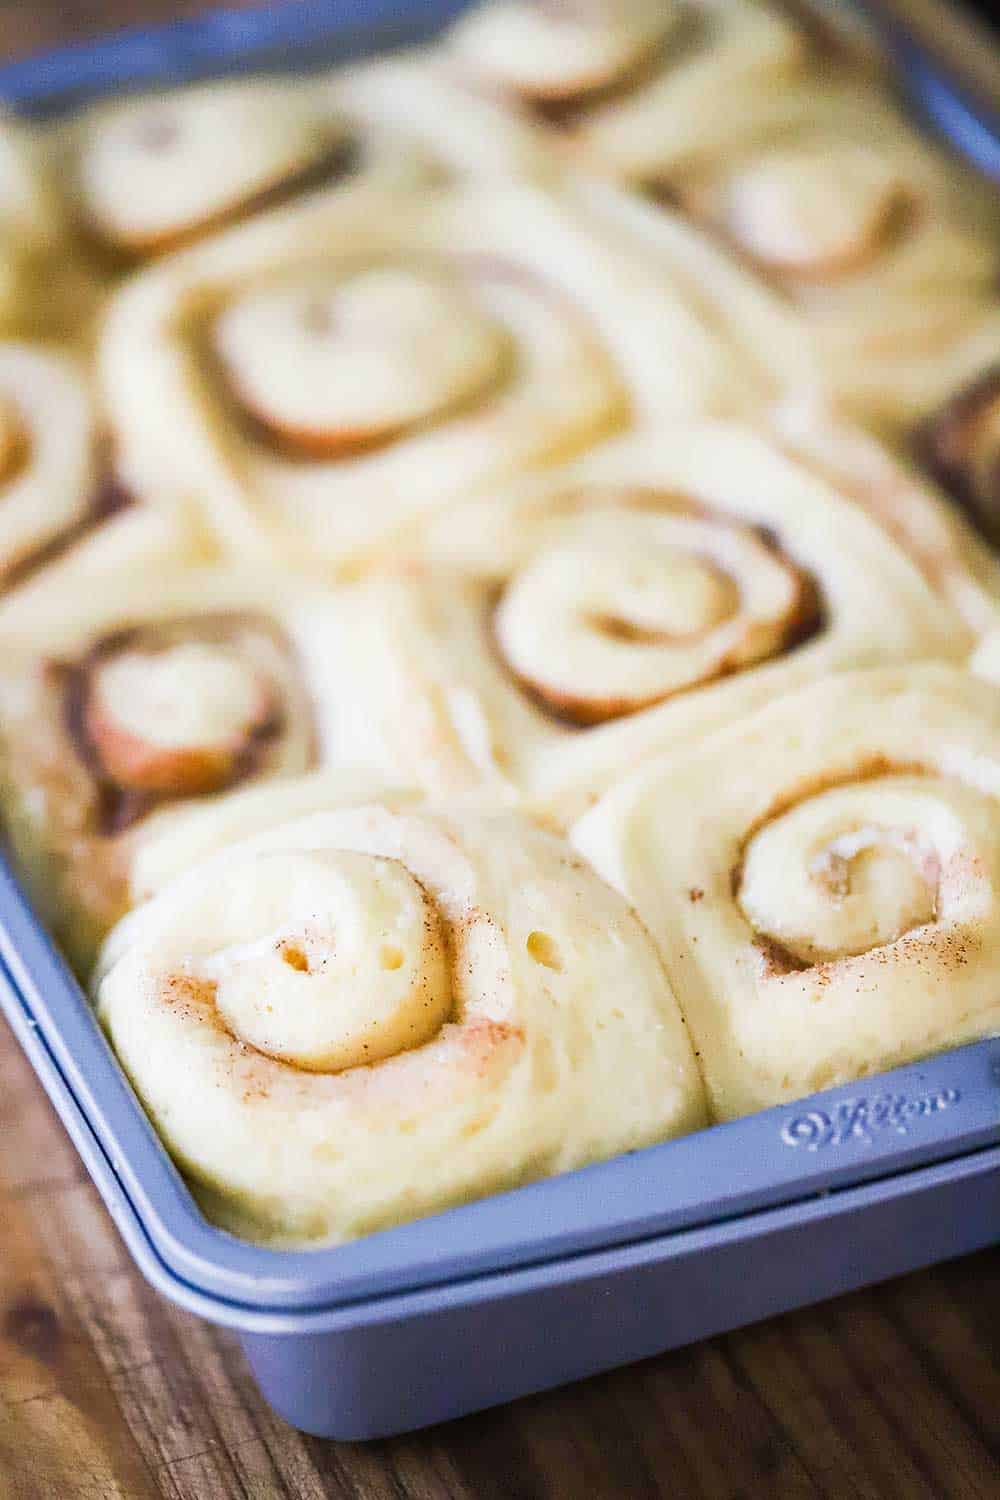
(377, 1012)
(640, 565)
(822, 880)
(584, 338)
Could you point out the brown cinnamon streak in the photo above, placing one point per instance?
(341, 161)
(945, 446)
(109, 498)
(118, 808)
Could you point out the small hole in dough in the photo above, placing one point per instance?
(392, 958)
(544, 950)
(295, 959)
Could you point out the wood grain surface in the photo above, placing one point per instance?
(107, 1391)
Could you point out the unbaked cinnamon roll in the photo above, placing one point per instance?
(950, 554)
(149, 173)
(822, 880)
(136, 696)
(884, 250)
(379, 1012)
(326, 376)
(64, 513)
(618, 80)
(560, 631)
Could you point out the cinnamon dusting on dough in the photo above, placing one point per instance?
(869, 769)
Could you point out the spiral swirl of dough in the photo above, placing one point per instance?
(148, 174)
(335, 372)
(816, 211)
(375, 1013)
(131, 698)
(635, 605)
(419, 97)
(177, 709)
(558, 631)
(840, 222)
(621, 78)
(187, 705)
(861, 872)
(826, 877)
(340, 363)
(883, 249)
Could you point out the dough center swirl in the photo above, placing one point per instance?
(182, 707)
(329, 363)
(630, 606)
(857, 868)
(816, 210)
(327, 959)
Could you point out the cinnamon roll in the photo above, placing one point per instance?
(64, 514)
(326, 376)
(379, 1012)
(822, 880)
(634, 600)
(149, 173)
(882, 249)
(134, 697)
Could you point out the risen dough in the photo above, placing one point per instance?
(619, 81)
(949, 552)
(64, 516)
(822, 879)
(636, 599)
(119, 700)
(267, 375)
(147, 173)
(375, 1013)
(881, 248)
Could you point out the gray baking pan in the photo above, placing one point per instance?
(558, 1280)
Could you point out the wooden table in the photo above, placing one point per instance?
(107, 1391)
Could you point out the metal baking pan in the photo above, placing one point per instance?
(548, 1283)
